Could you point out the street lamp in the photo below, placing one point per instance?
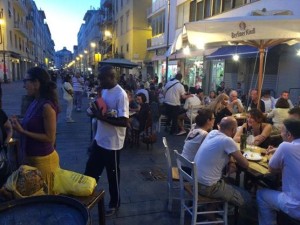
(85, 61)
(3, 50)
(78, 64)
(81, 62)
(108, 41)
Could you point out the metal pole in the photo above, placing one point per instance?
(4, 63)
(168, 34)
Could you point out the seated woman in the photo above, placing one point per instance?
(279, 114)
(133, 105)
(138, 121)
(204, 123)
(256, 127)
(220, 107)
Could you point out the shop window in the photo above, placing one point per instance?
(227, 5)
(216, 7)
(238, 3)
(200, 10)
(207, 11)
(183, 14)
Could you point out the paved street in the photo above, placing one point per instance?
(143, 199)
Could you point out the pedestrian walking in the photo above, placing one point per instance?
(68, 96)
(78, 87)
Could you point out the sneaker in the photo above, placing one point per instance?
(110, 212)
(70, 121)
(181, 133)
(78, 109)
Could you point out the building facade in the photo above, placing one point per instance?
(63, 58)
(25, 39)
(199, 68)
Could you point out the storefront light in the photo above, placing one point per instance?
(235, 57)
(298, 52)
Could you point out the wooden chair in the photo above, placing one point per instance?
(172, 176)
(147, 136)
(189, 191)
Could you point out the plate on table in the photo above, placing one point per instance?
(252, 156)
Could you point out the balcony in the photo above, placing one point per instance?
(107, 3)
(20, 28)
(157, 7)
(157, 41)
(30, 20)
(20, 4)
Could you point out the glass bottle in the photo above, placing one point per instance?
(243, 141)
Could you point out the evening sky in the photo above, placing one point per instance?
(64, 18)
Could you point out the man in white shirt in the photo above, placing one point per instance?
(110, 135)
(216, 152)
(286, 161)
(192, 106)
(174, 91)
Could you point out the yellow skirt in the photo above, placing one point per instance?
(47, 165)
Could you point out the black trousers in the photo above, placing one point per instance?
(99, 159)
(172, 112)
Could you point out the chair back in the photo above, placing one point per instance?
(168, 158)
(185, 177)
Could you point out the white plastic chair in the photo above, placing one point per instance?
(189, 191)
(172, 176)
(162, 122)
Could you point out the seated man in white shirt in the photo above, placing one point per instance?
(191, 106)
(216, 152)
(285, 161)
(235, 104)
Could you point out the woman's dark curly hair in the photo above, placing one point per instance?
(143, 97)
(257, 115)
(48, 89)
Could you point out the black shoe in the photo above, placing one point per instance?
(111, 212)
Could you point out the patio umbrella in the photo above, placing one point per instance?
(118, 62)
(257, 31)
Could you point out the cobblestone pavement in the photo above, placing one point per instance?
(143, 197)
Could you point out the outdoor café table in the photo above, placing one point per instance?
(240, 118)
(256, 171)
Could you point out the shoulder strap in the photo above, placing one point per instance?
(171, 86)
(67, 90)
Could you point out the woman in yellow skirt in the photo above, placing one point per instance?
(38, 127)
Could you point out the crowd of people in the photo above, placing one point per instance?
(210, 142)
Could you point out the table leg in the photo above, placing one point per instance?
(236, 208)
(101, 212)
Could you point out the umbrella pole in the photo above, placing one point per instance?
(260, 74)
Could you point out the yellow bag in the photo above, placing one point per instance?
(72, 183)
(26, 181)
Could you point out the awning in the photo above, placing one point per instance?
(226, 52)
